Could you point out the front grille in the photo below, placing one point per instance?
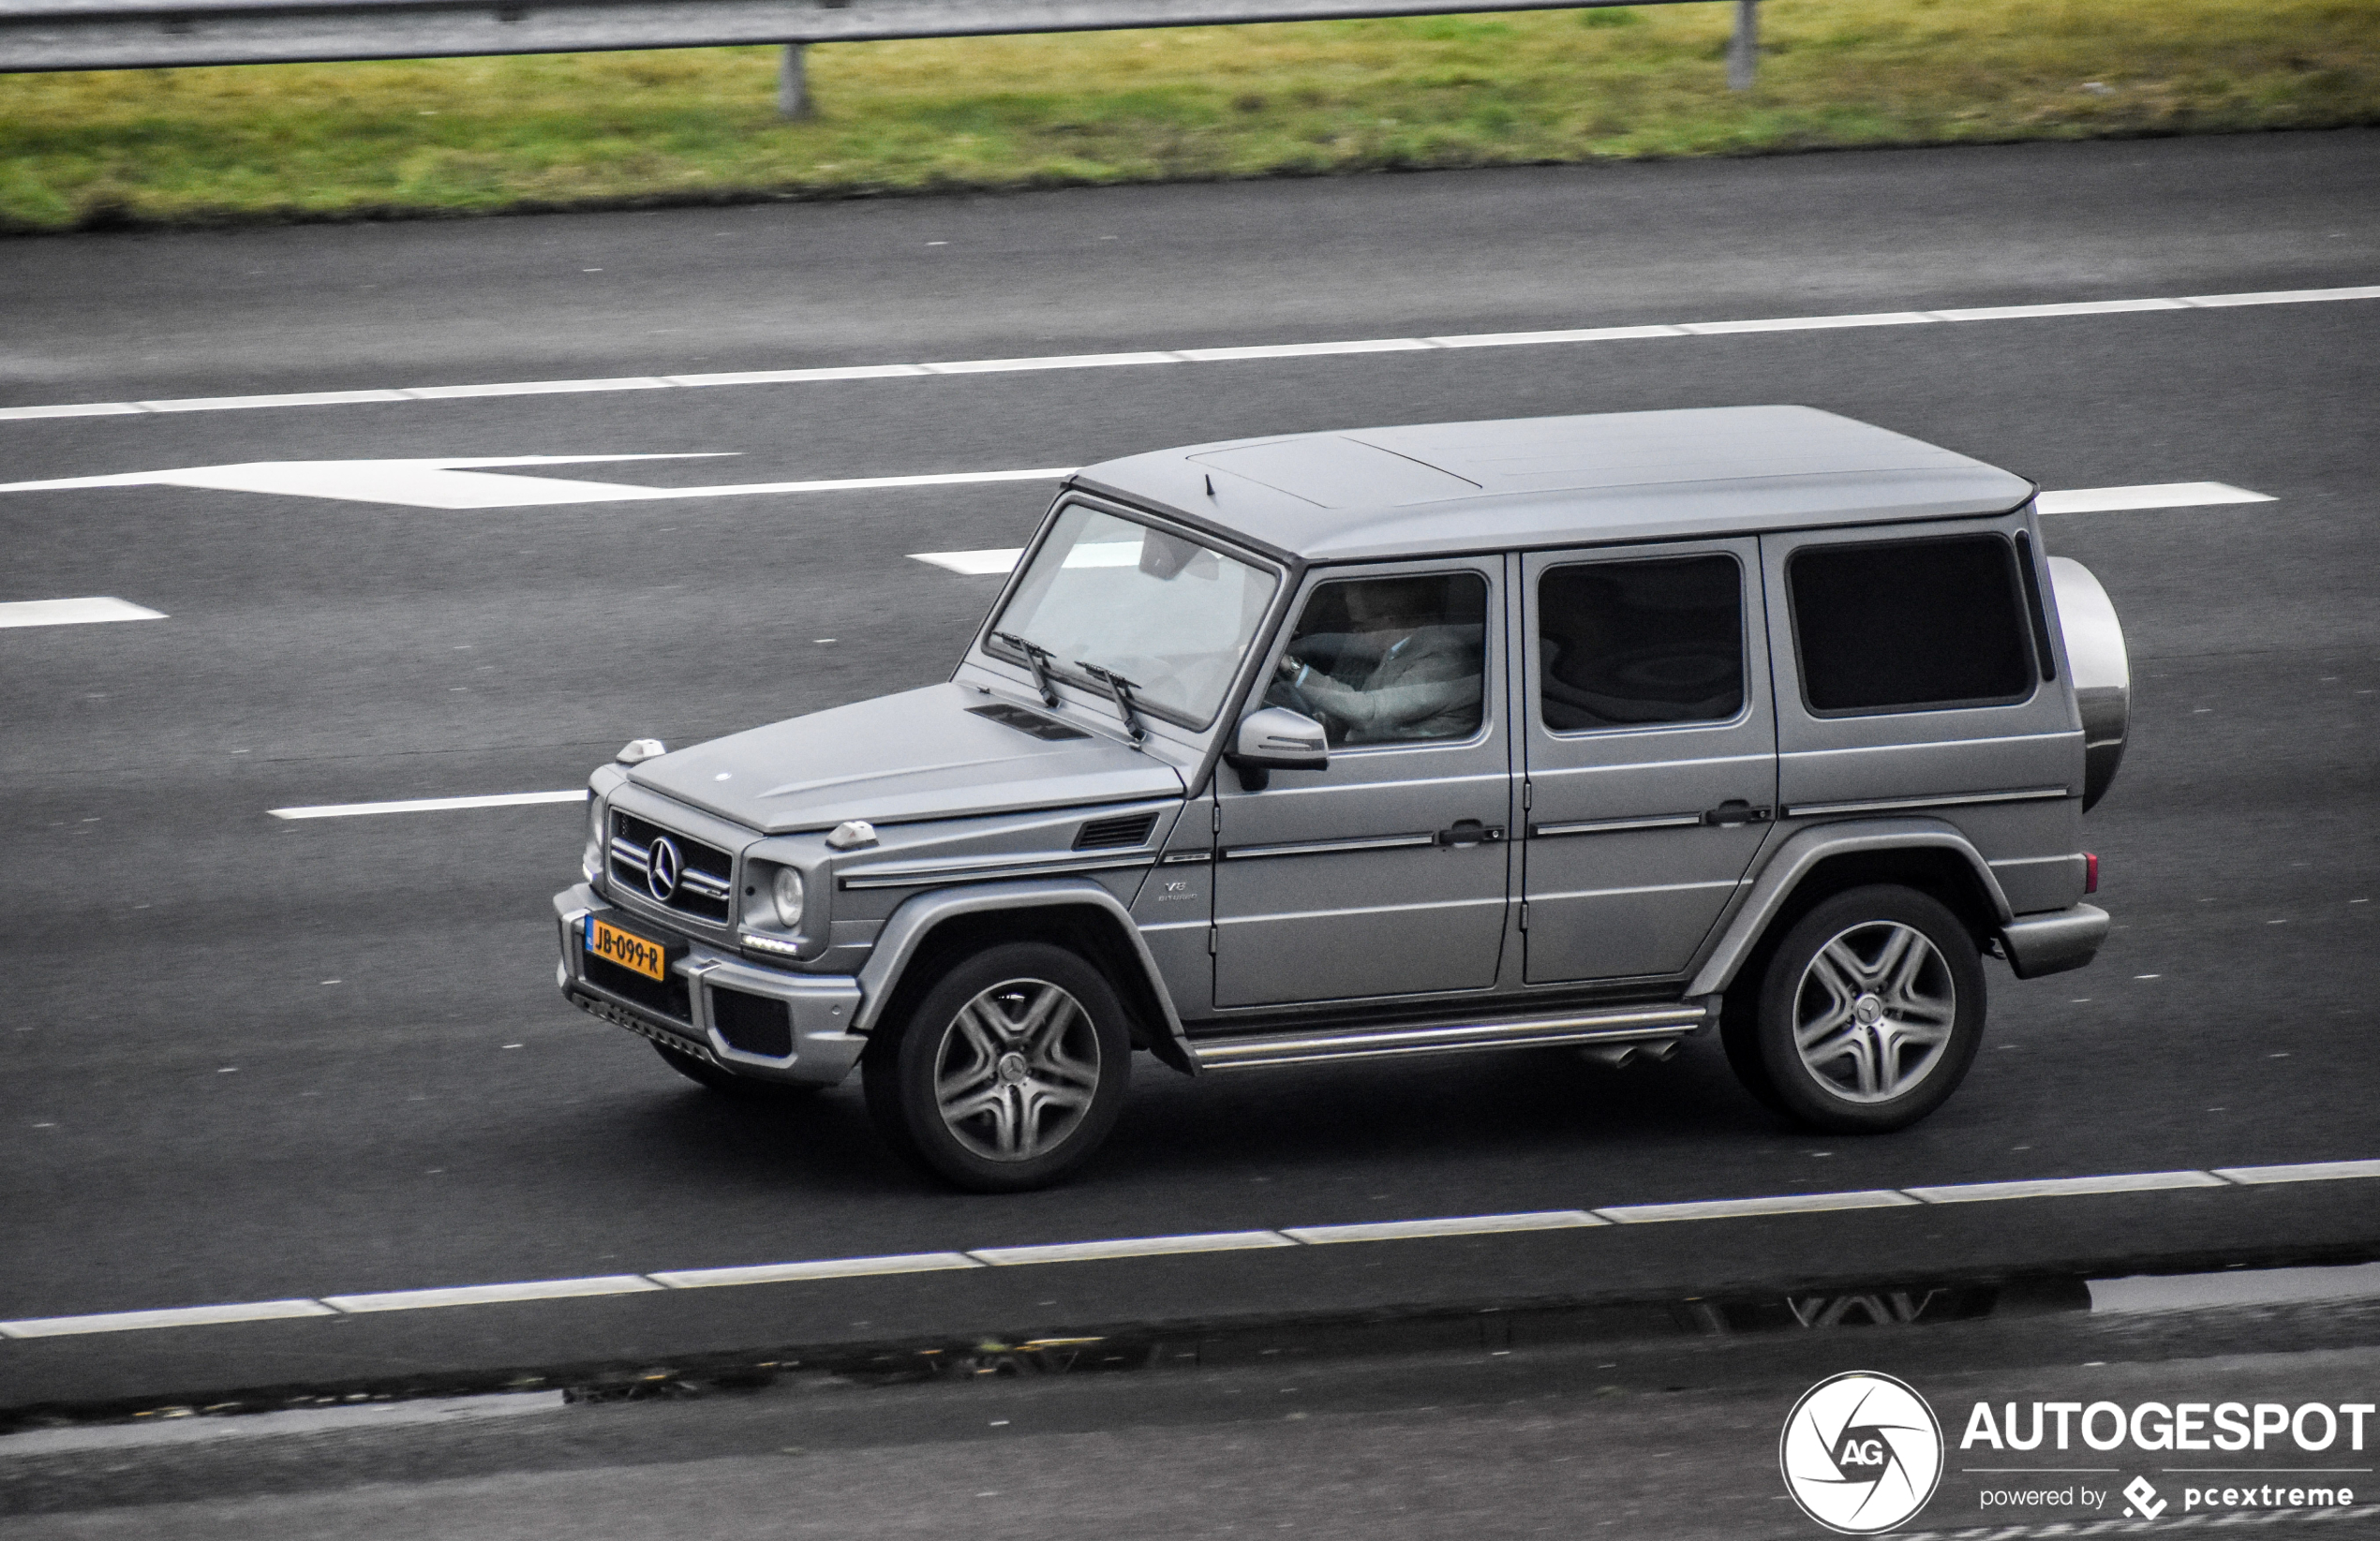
(1111, 834)
(705, 875)
(665, 996)
(753, 1023)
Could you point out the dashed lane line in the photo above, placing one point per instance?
(1192, 355)
(2130, 1183)
(1730, 1209)
(84, 612)
(1405, 1230)
(1169, 1246)
(1145, 1246)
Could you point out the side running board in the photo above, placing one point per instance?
(1617, 1024)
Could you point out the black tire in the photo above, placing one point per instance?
(1890, 1025)
(729, 1084)
(1008, 1071)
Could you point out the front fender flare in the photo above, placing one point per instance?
(1801, 853)
(898, 943)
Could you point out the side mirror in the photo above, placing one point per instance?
(1275, 738)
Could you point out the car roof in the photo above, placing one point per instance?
(1519, 482)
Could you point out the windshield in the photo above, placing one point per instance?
(1170, 616)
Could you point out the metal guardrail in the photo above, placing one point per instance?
(65, 35)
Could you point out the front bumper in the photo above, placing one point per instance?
(715, 1006)
(2053, 941)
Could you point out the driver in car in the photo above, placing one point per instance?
(1402, 670)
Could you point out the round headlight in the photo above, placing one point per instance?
(785, 890)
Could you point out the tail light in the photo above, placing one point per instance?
(2091, 873)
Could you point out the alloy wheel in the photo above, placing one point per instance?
(1874, 1011)
(1017, 1069)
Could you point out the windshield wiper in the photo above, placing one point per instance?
(1036, 659)
(1122, 688)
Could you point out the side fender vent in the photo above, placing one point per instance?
(1115, 834)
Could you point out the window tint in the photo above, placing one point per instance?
(1910, 624)
(1626, 645)
(1381, 660)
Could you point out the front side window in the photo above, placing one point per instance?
(1639, 645)
(1170, 615)
(1911, 625)
(1389, 660)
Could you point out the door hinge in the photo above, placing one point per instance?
(1527, 789)
(1524, 916)
(1214, 820)
(1212, 933)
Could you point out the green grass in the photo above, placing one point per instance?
(455, 136)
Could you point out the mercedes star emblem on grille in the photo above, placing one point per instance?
(661, 868)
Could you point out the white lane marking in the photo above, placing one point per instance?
(1065, 361)
(2242, 1287)
(2085, 307)
(430, 805)
(2129, 1182)
(1170, 1245)
(1811, 323)
(491, 1295)
(2316, 1171)
(972, 564)
(464, 484)
(1733, 1209)
(837, 1268)
(1145, 1246)
(2162, 495)
(1403, 1230)
(981, 563)
(183, 1316)
(296, 1420)
(1195, 355)
(82, 611)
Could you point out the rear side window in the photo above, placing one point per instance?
(1910, 624)
(1633, 644)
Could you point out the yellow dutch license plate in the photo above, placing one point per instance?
(627, 949)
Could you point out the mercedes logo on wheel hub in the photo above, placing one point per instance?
(661, 867)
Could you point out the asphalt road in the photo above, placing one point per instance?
(245, 1058)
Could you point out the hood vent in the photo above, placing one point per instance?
(1047, 729)
(1115, 834)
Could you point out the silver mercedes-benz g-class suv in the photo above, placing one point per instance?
(1595, 732)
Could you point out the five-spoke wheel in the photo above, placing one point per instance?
(1007, 1072)
(1867, 1015)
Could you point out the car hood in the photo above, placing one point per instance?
(897, 759)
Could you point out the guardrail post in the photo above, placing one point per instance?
(1743, 49)
(793, 82)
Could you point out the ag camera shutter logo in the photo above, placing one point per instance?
(1861, 1453)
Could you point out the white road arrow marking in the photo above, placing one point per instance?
(464, 483)
(74, 612)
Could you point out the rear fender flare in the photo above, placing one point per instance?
(906, 934)
(1800, 855)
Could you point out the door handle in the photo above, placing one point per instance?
(1736, 811)
(1466, 832)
